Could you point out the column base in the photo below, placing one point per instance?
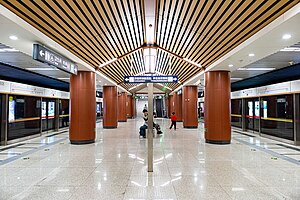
(190, 126)
(218, 141)
(82, 141)
(109, 127)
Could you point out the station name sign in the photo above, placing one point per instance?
(45, 55)
(150, 79)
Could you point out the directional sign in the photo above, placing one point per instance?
(50, 57)
(150, 79)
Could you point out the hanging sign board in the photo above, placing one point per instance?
(50, 57)
(150, 79)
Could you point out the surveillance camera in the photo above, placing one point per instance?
(150, 25)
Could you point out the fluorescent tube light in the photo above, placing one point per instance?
(236, 79)
(9, 50)
(256, 69)
(290, 49)
(42, 69)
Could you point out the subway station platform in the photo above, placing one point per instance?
(115, 167)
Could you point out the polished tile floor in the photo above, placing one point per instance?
(115, 167)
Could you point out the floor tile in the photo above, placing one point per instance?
(115, 167)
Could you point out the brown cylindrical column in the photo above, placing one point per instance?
(129, 107)
(217, 107)
(122, 116)
(178, 106)
(133, 107)
(110, 107)
(168, 106)
(190, 98)
(171, 105)
(83, 108)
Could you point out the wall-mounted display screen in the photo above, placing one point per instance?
(98, 108)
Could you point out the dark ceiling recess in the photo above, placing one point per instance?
(281, 75)
(10, 73)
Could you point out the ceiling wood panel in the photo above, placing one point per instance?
(98, 31)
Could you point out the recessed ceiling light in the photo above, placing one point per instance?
(230, 65)
(251, 54)
(256, 69)
(13, 37)
(105, 84)
(99, 81)
(63, 78)
(286, 36)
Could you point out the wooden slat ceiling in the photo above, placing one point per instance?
(98, 31)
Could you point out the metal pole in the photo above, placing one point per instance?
(150, 127)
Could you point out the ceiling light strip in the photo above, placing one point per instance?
(181, 58)
(256, 69)
(120, 57)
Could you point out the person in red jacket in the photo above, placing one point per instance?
(173, 121)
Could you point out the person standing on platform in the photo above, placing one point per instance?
(173, 121)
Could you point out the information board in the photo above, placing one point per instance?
(150, 79)
(50, 57)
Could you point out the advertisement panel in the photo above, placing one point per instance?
(51, 110)
(11, 109)
(44, 110)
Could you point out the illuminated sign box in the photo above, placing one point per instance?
(150, 79)
(50, 57)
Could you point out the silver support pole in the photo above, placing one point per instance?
(150, 127)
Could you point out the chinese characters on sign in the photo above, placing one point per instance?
(150, 79)
(45, 55)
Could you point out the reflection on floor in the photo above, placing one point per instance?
(185, 167)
